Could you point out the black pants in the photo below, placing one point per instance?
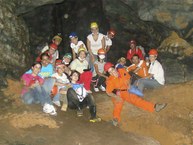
(98, 81)
(74, 103)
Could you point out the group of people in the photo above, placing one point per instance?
(67, 82)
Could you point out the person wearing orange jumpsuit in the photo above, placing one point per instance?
(119, 81)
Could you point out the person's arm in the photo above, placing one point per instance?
(73, 54)
(89, 50)
(103, 42)
(97, 71)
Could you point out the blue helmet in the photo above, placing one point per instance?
(73, 34)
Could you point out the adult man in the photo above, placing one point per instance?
(119, 81)
(155, 77)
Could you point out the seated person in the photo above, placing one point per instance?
(79, 98)
(138, 69)
(120, 63)
(37, 90)
(99, 76)
(80, 64)
(155, 77)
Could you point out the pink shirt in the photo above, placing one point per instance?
(29, 79)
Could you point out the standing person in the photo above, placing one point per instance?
(119, 81)
(37, 90)
(155, 77)
(47, 68)
(78, 98)
(75, 44)
(99, 76)
(108, 39)
(134, 50)
(80, 64)
(95, 41)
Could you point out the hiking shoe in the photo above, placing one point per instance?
(114, 122)
(64, 107)
(57, 103)
(79, 113)
(102, 88)
(95, 119)
(159, 107)
(96, 89)
(49, 109)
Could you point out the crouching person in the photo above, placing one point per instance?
(78, 98)
(37, 90)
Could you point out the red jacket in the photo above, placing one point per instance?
(137, 51)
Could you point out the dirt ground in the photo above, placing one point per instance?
(171, 126)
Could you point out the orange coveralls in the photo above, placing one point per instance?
(121, 83)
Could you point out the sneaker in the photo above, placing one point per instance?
(114, 122)
(57, 103)
(102, 88)
(79, 113)
(89, 91)
(96, 119)
(159, 107)
(49, 109)
(96, 89)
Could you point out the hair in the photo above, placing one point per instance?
(35, 63)
(121, 59)
(75, 71)
(44, 54)
(135, 55)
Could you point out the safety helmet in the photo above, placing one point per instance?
(82, 49)
(101, 51)
(153, 51)
(59, 63)
(57, 37)
(93, 25)
(107, 66)
(54, 46)
(73, 34)
(67, 55)
(132, 42)
(112, 32)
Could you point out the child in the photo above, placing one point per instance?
(79, 98)
(67, 59)
(120, 63)
(98, 75)
(62, 84)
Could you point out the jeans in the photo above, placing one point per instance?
(147, 83)
(40, 94)
(98, 81)
(74, 103)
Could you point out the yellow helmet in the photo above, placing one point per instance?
(57, 38)
(93, 25)
(82, 49)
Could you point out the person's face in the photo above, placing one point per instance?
(132, 45)
(152, 58)
(52, 51)
(36, 69)
(113, 72)
(110, 36)
(60, 69)
(82, 55)
(74, 40)
(66, 60)
(56, 41)
(135, 60)
(45, 60)
(94, 30)
(75, 77)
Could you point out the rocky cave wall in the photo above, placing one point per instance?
(25, 25)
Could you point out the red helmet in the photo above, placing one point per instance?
(112, 32)
(132, 42)
(107, 66)
(59, 63)
(101, 51)
(53, 45)
(153, 51)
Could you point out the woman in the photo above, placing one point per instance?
(78, 98)
(81, 65)
(37, 90)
